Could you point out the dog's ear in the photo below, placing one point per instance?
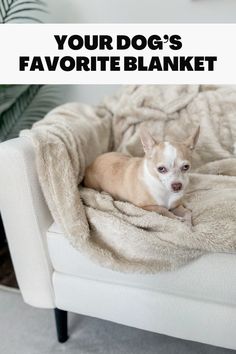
(147, 140)
(192, 140)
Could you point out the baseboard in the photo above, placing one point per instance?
(7, 288)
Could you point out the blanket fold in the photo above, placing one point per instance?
(117, 234)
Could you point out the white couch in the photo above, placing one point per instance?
(197, 302)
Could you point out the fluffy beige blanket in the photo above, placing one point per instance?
(119, 235)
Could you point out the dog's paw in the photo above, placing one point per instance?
(180, 218)
(188, 218)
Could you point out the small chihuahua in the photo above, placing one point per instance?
(156, 182)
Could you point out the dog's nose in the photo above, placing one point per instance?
(177, 186)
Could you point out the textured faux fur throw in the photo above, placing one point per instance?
(117, 234)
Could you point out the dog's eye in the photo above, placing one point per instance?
(162, 169)
(185, 167)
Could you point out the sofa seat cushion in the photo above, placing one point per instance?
(211, 277)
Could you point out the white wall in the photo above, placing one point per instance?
(149, 11)
(143, 11)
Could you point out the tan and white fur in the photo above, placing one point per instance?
(156, 182)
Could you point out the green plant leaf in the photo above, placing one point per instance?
(14, 10)
(24, 105)
(9, 94)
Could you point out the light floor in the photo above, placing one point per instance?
(26, 330)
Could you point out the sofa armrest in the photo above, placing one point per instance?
(26, 219)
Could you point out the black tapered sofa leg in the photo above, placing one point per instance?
(61, 325)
